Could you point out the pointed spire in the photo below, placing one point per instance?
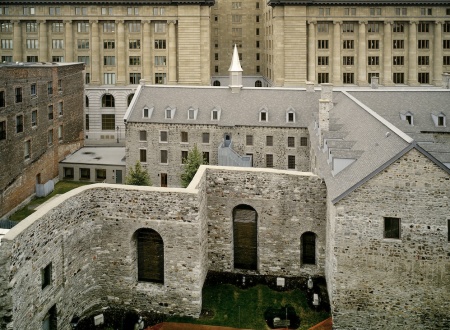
(235, 63)
(235, 71)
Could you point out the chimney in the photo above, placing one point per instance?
(374, 82)
(310, 87)
(324, 118)
(235, 71)
(327, 92)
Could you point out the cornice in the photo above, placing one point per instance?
(109, 2)
(274, 3)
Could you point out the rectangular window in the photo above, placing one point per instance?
(85, 174)
(134, 60)
(27, 149)
(398, 60)
(100, 174)
(348, 28)
(33, 89)
(83, 43)
(236, 18)
(87, 79)
(423, 60)
(398, 27)
(348, 78)
(249, 140)
(291, 162)
(291, 142)
(50, 137)
(423, 77)
(236, 5)
(6, 27)
(423, 44)
(373, 44)
(107, 11)
(60, 109)
(34, 118)
(401, 11)
(109, 60)
(398, 77)
(18, 94)
(373, 60)
(398, 44)
(57, 43)
(19, 124)
(304, 141)
(373, 28)
(58, 59)
(143, 155)
(446, 27)
(348, 60)
(109, 78)
(50, 88)
(205, 138)
(57, 27)
(54, 11)
(322, 44)
(236, 32)
(205, 157)
(163, 156)
(33, 59)
(184, 137)
(163, 136)
(371, 75)
(7, 44)
(269, 140)
(32, 43)
(160, 78)
(8, 59)
(348, 44)
(108, 123)
(133, 10)
(160, 44)
(29, 11)
(2, 99)
(446, 60)
(134, 44)
(269, 160)
(349, 11)
(46, 276)
(160, 61)
(324, 11)
(135, 78)
(134, 27)
(83, 27)
(2, 130)
(4, 11)
(160, 27)
(60, 132)
(109, 44)
(87, 122)
(446, 44)
(423, 27)
(50, 112)
(391, 228)
(109, 27)
(84, 59)
(322, 27)
(184, 156)
(375, 11)
(81, 11)
(323, 77)
(426, 11)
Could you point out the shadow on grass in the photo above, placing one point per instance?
(60, 188)
(227, 305)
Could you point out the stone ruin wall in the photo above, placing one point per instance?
(288, 204)
(87, 234)
(393, 283)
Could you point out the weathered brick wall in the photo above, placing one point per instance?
(18, 177)
(89, 238)
(174, 167)
(288, 204)
(382, 283)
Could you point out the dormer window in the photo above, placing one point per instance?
(439, 119)
(290, 117)
(170, 113)
(263, 115)
(192, 114)
(215, 114)
(147, 112)
(409, 119)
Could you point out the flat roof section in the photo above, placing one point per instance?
(97, 156)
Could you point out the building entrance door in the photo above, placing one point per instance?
(118, 176)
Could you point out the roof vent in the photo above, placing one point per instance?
(388, 134)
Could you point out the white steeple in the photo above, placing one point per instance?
(235, 71)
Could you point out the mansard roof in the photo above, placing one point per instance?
(357, 3)
(110, 2)
(237, 109)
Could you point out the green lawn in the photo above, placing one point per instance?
(234, 307)
(60, 188)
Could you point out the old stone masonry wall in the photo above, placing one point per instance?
(288, 204)
(404, 283)
(88, 237)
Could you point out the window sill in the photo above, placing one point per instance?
(392, 240)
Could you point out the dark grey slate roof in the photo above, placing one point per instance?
(357, 2)
(109, 2)
(241, 108)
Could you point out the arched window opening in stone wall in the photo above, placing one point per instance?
(130, 97)
(258, 83)
(150, 256)
(308, 248)
(216, 83)
(245, 236)
(108, 101)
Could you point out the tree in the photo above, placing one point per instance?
(191, 165)
(138, 176)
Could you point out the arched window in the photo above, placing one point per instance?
(308, 248)
(245, 237)
(216, 83)
(258, 83)
(86, 101)
(130, 97)
(108, 101)
(150, 256)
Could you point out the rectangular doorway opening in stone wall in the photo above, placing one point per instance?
(50, 321)
(245, 237)
(150, 250)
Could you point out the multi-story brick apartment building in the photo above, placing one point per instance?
(41, 121)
